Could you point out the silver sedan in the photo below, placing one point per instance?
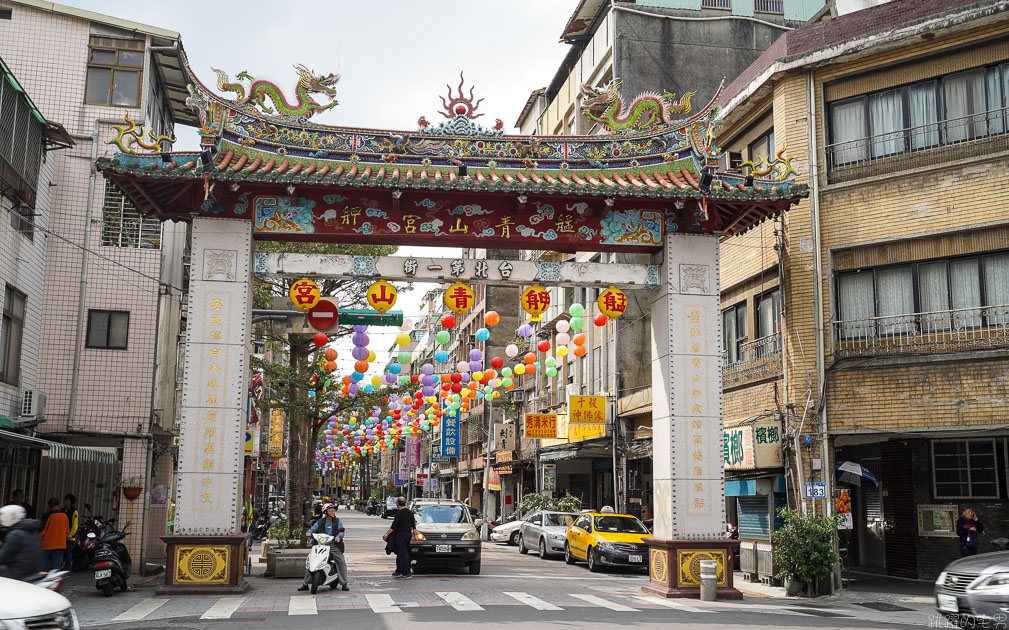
(544, 532)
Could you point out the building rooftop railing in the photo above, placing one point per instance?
(957, 330)
(917, 147)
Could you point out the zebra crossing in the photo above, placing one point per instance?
(224, 608)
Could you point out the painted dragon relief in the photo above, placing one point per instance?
(259, 90)
(649, 111)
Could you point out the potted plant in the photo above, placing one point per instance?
(804, 548)
(132, 487)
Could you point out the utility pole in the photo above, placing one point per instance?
(615, 430)
(484, 504)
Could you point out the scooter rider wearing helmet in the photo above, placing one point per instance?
(21, 553)
(331, 526)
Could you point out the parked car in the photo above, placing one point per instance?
(390, 508)
(508, 532)
(607, 540)
(975, 590)
(446, 535)
(545, 532)
(25, 606)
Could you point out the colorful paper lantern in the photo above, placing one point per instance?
(381, 296)
(535, 300)
(612, 303)
(304, 294)
(320, 339)
(459, 298)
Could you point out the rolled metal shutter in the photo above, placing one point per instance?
(753, 518)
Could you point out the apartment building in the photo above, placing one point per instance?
(114, 280)
(871, 320)
(649, 45)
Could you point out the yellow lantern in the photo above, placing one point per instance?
(535, 301)
(459, 298)
(382, 296)
(612, 302)
(304, 294)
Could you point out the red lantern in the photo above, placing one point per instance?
(456, 377)
(543, 346)
(600, 320)
(448, 321)
(497, 363)
(320, 339)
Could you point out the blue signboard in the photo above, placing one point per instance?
(450, 434)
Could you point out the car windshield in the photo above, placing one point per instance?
(440, 514)
(558, 520)
(619, 525)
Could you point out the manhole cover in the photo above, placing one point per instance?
(885, 607)
(816, 613)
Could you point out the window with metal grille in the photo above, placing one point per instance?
(963, 469)
(12, 328)
(122, 224)
(716, 4)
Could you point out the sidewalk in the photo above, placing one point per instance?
(877, 592)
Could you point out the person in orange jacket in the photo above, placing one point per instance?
(54, 536)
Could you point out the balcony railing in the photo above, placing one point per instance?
(716, 4)
(957, 330)
(916, 147)
(770, 6)
(757, 359)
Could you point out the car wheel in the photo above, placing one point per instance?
(568, 558)
(543, 549)
(522, 546)
(316, 581)
(513, 539)
(474, 567)
(593, 560)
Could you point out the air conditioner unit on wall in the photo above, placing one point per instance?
(33, 403)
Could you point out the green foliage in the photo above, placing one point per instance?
(532, 502)
(804, 546)
(282, 533)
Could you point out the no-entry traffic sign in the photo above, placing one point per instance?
(323, 315)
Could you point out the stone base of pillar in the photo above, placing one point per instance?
(205, 565)
(674, 567)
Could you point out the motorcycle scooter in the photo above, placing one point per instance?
(321, 567)
(112, 562)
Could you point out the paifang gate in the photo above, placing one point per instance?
(653, 189)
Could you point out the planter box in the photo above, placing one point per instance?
(268, 546)
(290, 563)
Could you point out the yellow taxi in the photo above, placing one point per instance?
(606, 539)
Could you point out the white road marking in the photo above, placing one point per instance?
(459, 601)
(672, 603)
(382, 603)
(141, 610)
(302, 605)
(535, 602)
(223, 608)
(599, 601)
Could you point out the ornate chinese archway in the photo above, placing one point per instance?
(266, 171)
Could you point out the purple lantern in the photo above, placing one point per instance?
(475, 355)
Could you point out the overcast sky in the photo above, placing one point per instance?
(394, 57)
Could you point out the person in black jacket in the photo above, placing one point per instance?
(969, 528)
(21, 554)
(402, 530)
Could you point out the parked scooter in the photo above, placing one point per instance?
(84, 550)
(320, 564)
(112, 562)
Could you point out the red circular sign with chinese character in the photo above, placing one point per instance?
(323, 315)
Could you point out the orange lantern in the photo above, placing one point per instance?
(529, 358)
(580, 351)
(361, 366)
(579, 339)
(330, 354)
(492, 318)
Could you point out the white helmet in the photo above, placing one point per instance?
(11, 515)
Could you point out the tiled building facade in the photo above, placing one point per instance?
(894, 276)
(117, 390)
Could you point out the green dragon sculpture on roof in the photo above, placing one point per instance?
(258, 91)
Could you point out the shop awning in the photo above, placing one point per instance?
(56, 450)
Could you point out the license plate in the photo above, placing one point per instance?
(635, 558)
(947, 603)
(104, 573)
(443, 548)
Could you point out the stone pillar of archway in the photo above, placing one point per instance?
(688, 473)
(206, 551)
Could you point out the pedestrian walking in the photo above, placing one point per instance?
(54, 536)
(402, 531)
(968, 528)
(70, 509)
(331, 526)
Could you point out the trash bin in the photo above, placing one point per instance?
(709, 577)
